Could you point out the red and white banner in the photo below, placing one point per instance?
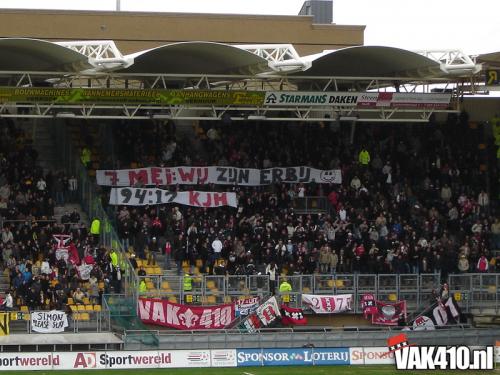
(368, 305)
(164, 313)
(328, 304)
(247, 306)
(269, 311)
(155, 176)
(143, 197)
(291, 316)
(388, 314)
(404, 100)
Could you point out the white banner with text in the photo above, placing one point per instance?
(156, 176)
(143, 197)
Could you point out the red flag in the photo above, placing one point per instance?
(291, 316)
(368, 305)
(74, 258)
(388, 314)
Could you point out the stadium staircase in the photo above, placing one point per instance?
(43, 134)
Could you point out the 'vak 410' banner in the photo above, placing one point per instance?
(142, 197)
(165, 313)
(154, 176)
(328, 304)
(48, 321)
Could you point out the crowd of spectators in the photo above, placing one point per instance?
(44, 271)
(413, 199)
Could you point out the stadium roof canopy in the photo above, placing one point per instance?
(36, 55)
(197, 58)
(207, 58)
(372, 61)
(491, 59)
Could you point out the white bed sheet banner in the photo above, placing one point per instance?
(328, 304)
(146, 196)
(155, 176)
(49, 321)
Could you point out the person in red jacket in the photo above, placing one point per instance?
(482, 264)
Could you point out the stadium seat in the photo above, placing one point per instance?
(211, 300)
(210, 284)
(157, 270)
(458, 296)
(150, 285)
(84, 316)
(393, 297)
(97, 308)
(73, 307)
(331, 283)
(172, 299)
(80, 307)
(86, 301)
(27, 317)
(165, 285)
(24, 308)
(89, 308)
(339, 283)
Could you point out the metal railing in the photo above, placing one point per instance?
(90, 201)
(319, 337)
(206, 289)
(472, 291)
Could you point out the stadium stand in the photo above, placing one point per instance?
(416, 206)
(50, 261)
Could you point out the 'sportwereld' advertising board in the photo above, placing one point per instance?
(293, 357)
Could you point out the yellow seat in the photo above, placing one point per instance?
(458, 296)
(82, 316)
(227, 299)
(86, 301)
(27, 317)
(306, 290)
(81, 307)
(139, 262)
(73, 307)
(339, 283)
(165, 285)
(97, 308)
(210, 284)
(157, 270)
(89, 308)
(393, 297)
(24, 308)
(211, 300)
(70, 301)
(150, 285)
(76, 316)
(149, 270)
(172, 299)
(492, 289)
(330, 283)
